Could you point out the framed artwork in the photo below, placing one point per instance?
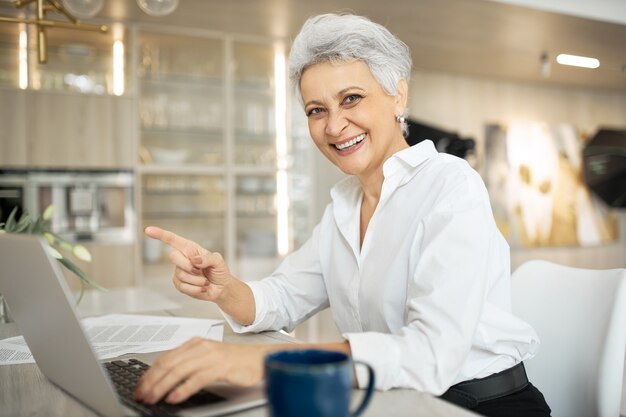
(533, 171)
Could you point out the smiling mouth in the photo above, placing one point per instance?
(350, 143)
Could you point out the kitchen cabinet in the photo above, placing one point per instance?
(52, 129)
(208, 159)
(70, 130)
(111, 265)
(70, 112)
(13, 120)
(9, 55)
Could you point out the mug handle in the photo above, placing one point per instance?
(368, 393)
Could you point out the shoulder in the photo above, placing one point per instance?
(451, 183)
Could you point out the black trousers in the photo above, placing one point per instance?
(528, 402)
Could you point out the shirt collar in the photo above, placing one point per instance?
(409, 158)
(349, 188)
(347, 193)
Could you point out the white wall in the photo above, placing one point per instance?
(466, 104)
(606, 10)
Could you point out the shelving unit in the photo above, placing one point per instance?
(208, 163)
(196, 122)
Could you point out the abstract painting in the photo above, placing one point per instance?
(533, 171)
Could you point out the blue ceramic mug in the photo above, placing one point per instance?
(312, 383)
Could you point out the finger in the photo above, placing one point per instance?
(191, 290)
(197, 374)
(183, 262)
(184, 277)
(207, 260)
(187, 247)
(151, 387)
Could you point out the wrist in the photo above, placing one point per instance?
(237, 300)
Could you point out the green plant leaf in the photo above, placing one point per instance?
(47, 213)
(66, 246)
(23, 223)
(80, 274)
(10, 225)
(37, 228)
(49, 238)
(54, 253)
(82, 253)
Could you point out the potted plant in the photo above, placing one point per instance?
(57, 246)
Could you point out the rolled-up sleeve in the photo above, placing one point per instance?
(293, 293)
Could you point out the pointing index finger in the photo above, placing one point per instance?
(187, 247)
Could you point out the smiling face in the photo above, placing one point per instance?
(352, 120)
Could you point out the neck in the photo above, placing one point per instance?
(372, 181)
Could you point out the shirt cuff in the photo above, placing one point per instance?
(260, 311)
(378, 352)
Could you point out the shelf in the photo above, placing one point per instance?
(255, 169)
(188, 81)
(173, 192)
(183, 215)
(223, 116)
(254, 87)
(255, 215)
(251, 136)
(183, 169)
(196, 132)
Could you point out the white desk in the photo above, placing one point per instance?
(24, 391)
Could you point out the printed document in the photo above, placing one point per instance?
(113, 335)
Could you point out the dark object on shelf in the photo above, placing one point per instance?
(604, 165)
(447, 142)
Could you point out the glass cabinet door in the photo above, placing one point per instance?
(82, 62)
(181, 106)
(11, 36)
(254, 158)
(254, 96)
(192, 206)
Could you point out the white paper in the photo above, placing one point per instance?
(113, 335)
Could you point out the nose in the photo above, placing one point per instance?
(335, 123)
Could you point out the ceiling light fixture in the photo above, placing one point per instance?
(43, 23)
(577, 61)
(158, 7)
(72, 10)
(544, 65)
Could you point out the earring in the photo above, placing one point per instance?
(400, 119)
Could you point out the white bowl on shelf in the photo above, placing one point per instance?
(169, 156)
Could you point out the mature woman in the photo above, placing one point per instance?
(407, 255)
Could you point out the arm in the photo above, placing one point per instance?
(180, 373)
(204, 275)
(293, 293)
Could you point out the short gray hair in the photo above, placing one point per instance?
(346, 37)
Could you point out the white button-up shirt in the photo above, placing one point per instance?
(426, 299)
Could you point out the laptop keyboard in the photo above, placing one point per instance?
(126, 373)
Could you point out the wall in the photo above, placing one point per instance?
(465, 104)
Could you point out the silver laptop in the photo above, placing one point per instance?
(41, 305)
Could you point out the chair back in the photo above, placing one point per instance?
(580, 317)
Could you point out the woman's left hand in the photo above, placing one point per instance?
(180, 373)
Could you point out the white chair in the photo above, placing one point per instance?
(580, 316)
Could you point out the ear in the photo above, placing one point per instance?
(401, 97)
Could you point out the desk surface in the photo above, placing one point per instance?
(24, 391)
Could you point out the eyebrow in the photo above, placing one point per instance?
(339, 94)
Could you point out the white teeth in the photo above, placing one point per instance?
(350, 143)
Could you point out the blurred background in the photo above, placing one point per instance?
(180, 116)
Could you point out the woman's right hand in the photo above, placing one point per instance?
(199, 273)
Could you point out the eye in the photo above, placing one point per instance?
(352, 99)
(314, 111)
